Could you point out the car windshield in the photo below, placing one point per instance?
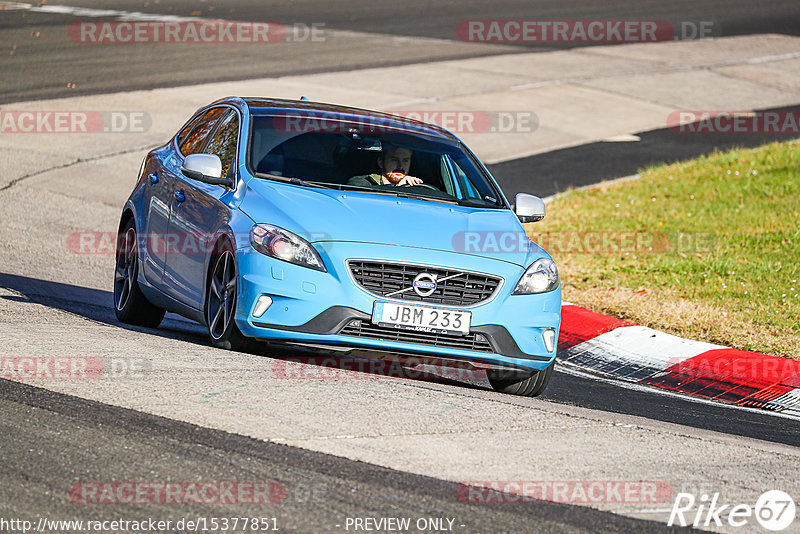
(351, 154)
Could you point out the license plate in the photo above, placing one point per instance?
(421, 318)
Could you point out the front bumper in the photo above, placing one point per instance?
(330, 309)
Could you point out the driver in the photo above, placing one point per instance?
(393, 163)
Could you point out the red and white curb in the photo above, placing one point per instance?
(603, 345)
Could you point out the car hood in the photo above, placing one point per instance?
(320, 215)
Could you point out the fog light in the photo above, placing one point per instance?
(262, 304)
(549, 337)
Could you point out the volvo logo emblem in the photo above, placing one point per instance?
(424, 284)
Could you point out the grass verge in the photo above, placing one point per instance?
(707, 249)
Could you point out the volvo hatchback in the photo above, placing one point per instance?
(342, 230)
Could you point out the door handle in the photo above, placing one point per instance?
(153, 179)
(180, 197)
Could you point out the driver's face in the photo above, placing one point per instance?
(394, 163)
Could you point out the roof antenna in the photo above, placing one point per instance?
(303, 99)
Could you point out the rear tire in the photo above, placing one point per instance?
(130, 305)
(221, 297)
(521, 383)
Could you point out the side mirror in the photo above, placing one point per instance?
(204, 168)
(529, 208)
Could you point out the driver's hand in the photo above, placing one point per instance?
(410, 180)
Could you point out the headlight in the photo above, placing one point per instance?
(286, 246)
(540, 277)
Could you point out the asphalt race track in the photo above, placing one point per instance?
(567, 389)
(362, 445)
(39, 64)
(320, 487)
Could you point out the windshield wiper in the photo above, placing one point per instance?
(426, 197)
(477, 203)
(293, 180)
(391, 192)
(342, 187)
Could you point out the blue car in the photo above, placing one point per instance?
(341, 230)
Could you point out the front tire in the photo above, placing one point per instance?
(130, 305)
(521, 383)
(221, 293)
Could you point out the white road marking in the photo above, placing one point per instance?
(93, 13)
(634, 352)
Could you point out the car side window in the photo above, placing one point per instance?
(195, 140)
(187, 128)
(224, 141)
